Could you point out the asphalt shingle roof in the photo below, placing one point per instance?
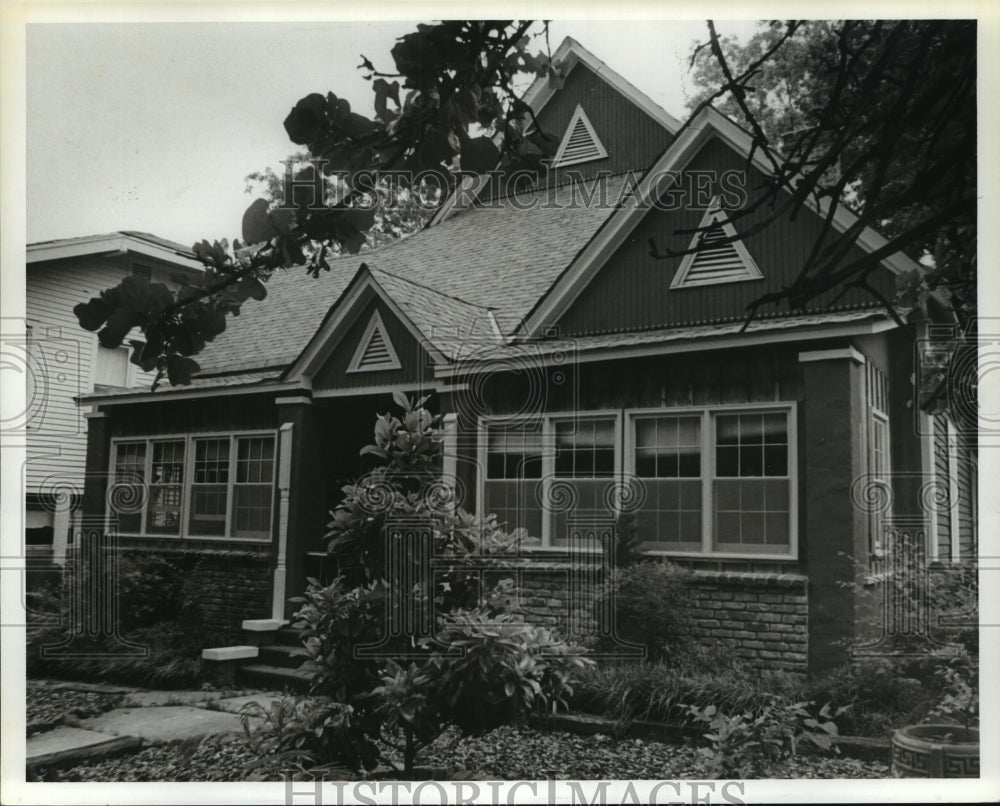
(499, 257)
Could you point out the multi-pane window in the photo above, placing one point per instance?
(752, 495)
(252, 491)
(583, 467)
(219, 486)
(668, 463)
(166, 489)
(513, 472)
(210, 487)
(715, 481)
(128, 478)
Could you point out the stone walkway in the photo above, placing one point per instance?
(144, 717)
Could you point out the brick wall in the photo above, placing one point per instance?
(762, 618)
(233, 588)
(228, 585)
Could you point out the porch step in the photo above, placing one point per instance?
(282, 655)
(287, 636)
(274, 677)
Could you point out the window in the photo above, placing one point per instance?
(541, 473)
(111, 366)
(513, 474)
(751, 496)
(713, 481)
(213, 486)
(668, 462)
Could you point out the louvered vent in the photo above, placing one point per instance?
(376, 354)
(138, 270)
(715, 259)
(711, 259)
(580, 143)
(375, 351)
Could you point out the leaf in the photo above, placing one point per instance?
(401, 400)
(305, 122)
(92, 314)
(257, 224)
(180, 369)
(252, 287)
(480, 155)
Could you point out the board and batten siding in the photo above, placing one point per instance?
(61, 357)
(632, 290)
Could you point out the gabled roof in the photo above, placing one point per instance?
(448, 280)
(114, 242)
(567, 56)
(666, 170)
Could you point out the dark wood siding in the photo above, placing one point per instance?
(416, 362)
(632, 138)
(237, 413)
(632, 291)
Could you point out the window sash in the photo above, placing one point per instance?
(203, 474)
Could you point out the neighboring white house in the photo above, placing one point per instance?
(63, 361)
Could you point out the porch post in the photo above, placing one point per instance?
(284, 485)
(301, 498)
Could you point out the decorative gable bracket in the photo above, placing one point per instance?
(710, 260)
(580, 143)
(375, 351)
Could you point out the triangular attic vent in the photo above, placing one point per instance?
(375, 350)
(715, 261)
(580, 143)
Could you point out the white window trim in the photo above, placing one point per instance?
(375, 323)
(547, 421)
(708, 473)
(189, 439)
(885, 518)
(625, 464)
(714, 214)
(578, 115)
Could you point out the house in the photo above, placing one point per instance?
(578, 377)
(63, 362)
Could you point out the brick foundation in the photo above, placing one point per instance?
(227, 585)
(763, 618)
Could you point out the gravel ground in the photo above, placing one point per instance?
(47, 707)
(508, 753)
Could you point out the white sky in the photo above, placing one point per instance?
(153, 126)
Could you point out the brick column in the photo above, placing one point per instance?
(833, 456)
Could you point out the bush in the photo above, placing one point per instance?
(663, 691)
(157, 608)
(648, 601)
(478, 665)
(750, 745)
(878, 695)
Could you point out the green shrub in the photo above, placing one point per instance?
(478, 666)
(749, 745)
(879, 695)
(157, 608)
(648, 601)
(663, 691)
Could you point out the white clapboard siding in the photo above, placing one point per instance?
(59, 357)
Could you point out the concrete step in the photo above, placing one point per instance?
(276, 678)
(286, 636)
(282, 655)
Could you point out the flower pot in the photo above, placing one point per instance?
(935, 751)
